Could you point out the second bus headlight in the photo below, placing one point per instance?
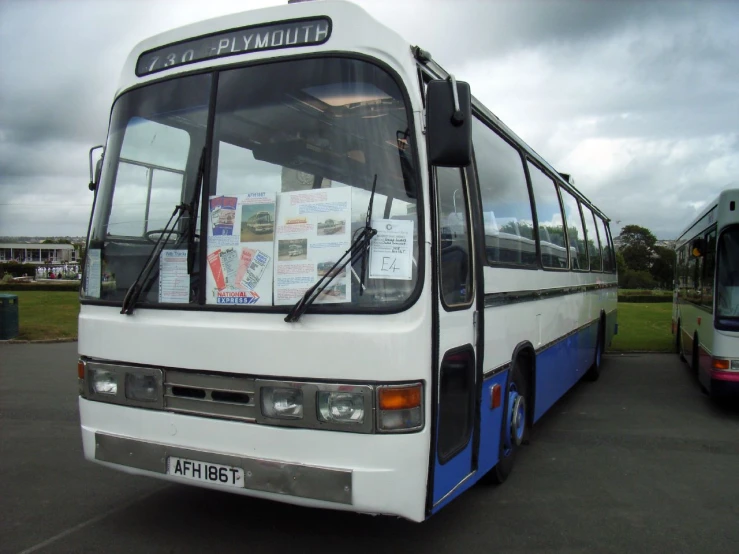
(341, 407)
(282, 403)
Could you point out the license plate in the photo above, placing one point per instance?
(205, 472)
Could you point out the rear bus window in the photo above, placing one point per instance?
(509, 225)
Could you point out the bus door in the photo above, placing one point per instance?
(456, 378)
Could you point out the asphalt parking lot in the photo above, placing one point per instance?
(640, 461)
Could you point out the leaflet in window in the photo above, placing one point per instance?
(174, 281)
(391, 254)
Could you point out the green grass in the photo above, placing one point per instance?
(644, 327)
(47, 315)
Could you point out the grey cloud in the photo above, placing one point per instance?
(660, 76)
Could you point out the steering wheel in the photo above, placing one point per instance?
(174, 233)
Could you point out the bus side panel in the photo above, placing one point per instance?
(491, 421)
(561, 365)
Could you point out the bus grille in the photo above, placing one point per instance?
(203, 394)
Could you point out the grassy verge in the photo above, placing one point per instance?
(644, 327)
(47, 315)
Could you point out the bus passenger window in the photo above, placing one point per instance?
(549, 216)
(575, 231)
(596, 261)
(506, 206)
(709, 268)
(605, 243)
(454, 239)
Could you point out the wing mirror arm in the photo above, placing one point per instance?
(457, 115)
(94, 178)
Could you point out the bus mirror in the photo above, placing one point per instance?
(94, 179)
(449, 123)
(698, 248)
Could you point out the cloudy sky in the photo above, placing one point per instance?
(638, 100)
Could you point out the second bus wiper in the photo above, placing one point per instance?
(358, 248)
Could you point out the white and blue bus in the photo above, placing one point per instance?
(705, 313)
(428, 288)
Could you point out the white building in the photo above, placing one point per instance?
(41, 254)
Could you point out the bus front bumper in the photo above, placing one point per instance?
(378, 474)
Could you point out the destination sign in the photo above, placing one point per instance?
(286, 34)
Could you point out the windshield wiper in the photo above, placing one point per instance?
(139, 284)
(134, 291)
(359, 247)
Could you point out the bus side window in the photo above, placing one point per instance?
(549, 216)
(596, 261)
(454, 238)
(605, 245)
(506, 205)
(575, 232)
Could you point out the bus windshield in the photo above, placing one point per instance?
(296, 149)
(727, 303)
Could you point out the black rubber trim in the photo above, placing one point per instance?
(513, 297)
(472, 395)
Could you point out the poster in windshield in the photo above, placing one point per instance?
(240, 256)
(311, 234)
(279, 246)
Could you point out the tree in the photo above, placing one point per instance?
(620, 263)
(637, 247)
(663, 266)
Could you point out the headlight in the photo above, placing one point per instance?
(103, 381)
(144, 388)
(735, 365)
(282, 403)
(341, 407)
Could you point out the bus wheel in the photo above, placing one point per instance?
(594, 372)
(515, 427)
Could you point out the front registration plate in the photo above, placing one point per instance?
(205, 472)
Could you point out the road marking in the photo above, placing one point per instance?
(91, 521)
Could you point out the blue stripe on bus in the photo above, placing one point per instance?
(560, 366)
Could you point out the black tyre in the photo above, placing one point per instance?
(593, 373)
(515, 429)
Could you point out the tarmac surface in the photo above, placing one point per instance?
(640, 461)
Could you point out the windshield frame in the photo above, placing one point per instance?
(202, 263)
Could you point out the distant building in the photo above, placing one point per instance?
(40, 254)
